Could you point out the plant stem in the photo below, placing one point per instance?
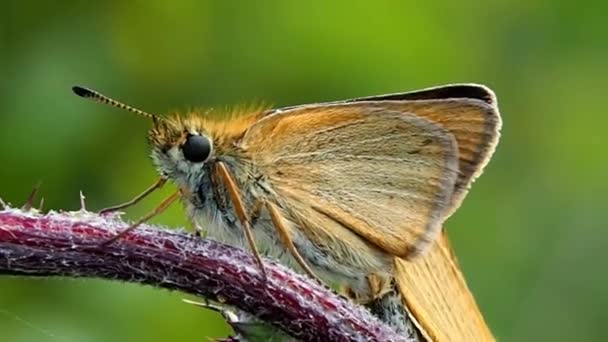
(68, 244)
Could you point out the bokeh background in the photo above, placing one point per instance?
(531, 236)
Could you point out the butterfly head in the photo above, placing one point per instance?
(183, 147)
(180, 148)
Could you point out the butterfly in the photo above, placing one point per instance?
(353, 193)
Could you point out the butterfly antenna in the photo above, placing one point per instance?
(98, 97)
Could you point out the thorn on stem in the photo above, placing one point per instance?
(29, 202)
(83, 206)
(205, 304)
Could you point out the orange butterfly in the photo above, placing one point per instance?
(352, 192)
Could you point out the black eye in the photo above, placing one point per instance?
(197, 148)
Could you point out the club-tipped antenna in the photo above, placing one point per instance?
(98, 97)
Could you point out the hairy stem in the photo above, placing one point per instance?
(68, 244)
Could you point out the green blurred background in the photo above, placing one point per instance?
(531, 236)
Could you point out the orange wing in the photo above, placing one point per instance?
(438, 298)
(468, 111)
(385, 174)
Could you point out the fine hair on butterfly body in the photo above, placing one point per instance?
(353, 192)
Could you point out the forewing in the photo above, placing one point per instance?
(383, 173)
(468, 111)
(474, 125)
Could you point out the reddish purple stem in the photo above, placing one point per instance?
(68, 244)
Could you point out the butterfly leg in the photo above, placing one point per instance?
(279, 224)
(241, 213)
(256, 210)
(377, 285)
(157, 185)
(349, 293)
(159, 209)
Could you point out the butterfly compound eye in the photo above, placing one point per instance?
(197, 148)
